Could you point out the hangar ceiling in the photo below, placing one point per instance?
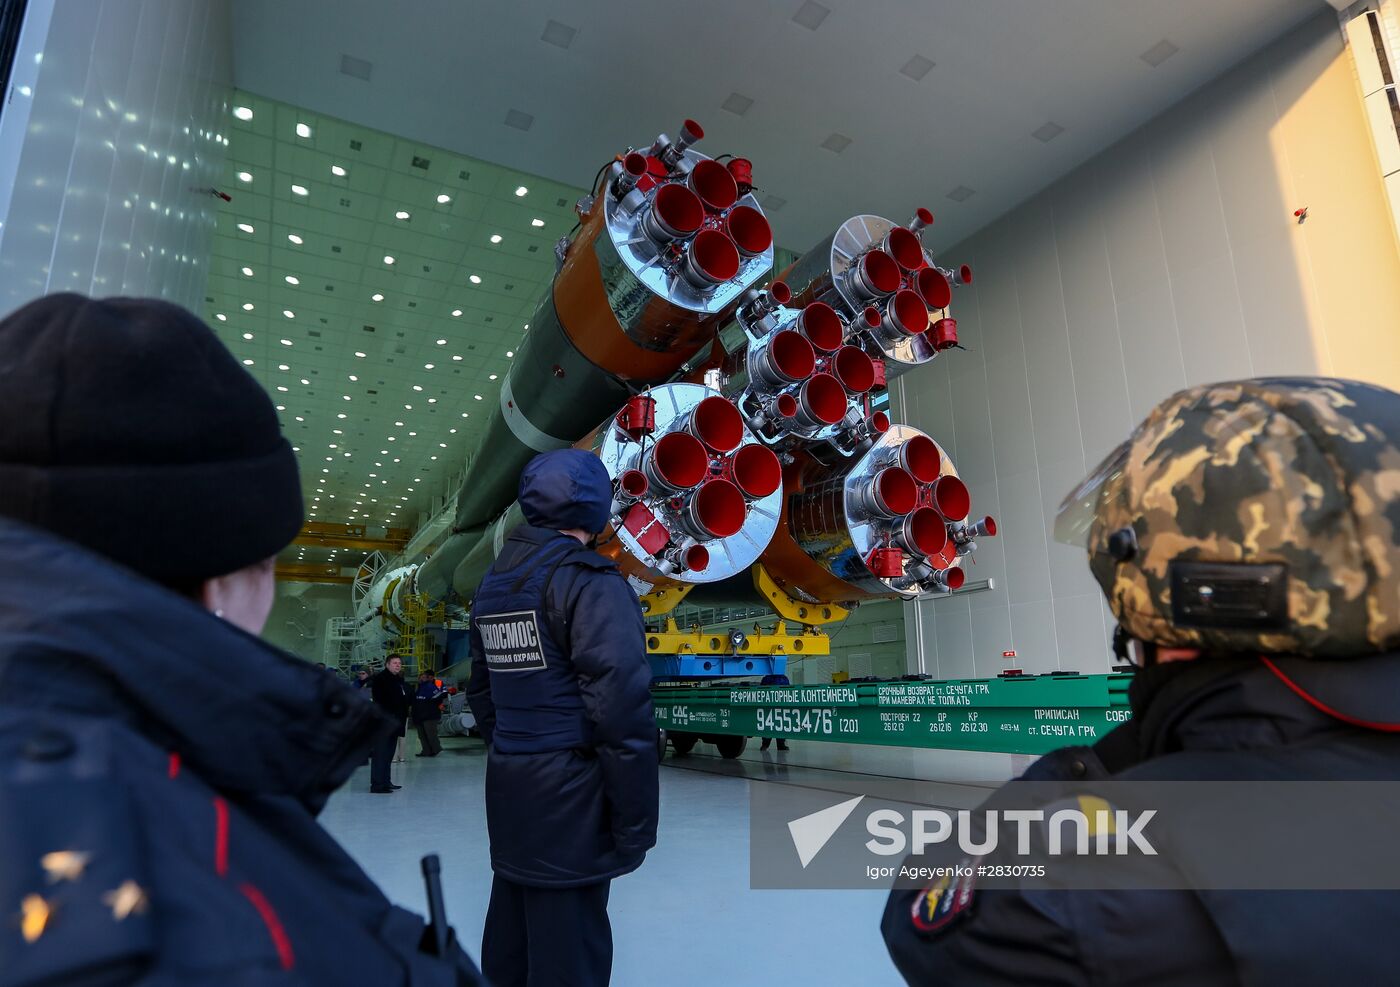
(968, 106)
(383, 373)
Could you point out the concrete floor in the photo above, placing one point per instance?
(688, 916)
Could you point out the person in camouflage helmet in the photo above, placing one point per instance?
(1247, 539)
(1256, 474)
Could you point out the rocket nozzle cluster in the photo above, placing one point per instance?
(690, 209)
(691, 482)
(919, 515)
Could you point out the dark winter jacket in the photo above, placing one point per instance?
(569, 806)
(1209, 720)
(427, 702)
(189, 851)
(389, 694)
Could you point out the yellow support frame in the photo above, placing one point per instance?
(795, 610)
(809, 640)
(664, 600)
(779, 641)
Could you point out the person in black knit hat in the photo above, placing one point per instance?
(155, 828)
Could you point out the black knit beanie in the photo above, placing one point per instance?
(127, 427)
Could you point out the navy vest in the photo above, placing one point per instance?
(534, 686)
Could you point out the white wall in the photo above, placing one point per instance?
(110, 138)
(299, 614)
(1171, 259)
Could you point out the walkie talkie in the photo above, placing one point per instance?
(437, 931)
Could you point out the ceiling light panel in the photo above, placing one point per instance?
(332, 243)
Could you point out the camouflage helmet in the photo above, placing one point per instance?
(1252, 516)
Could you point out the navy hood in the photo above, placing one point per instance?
(566, 488)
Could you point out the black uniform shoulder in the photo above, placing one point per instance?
(588, 559)
(76, 874)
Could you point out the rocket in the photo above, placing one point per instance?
(737, 421)
(667, 242)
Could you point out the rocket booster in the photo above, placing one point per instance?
(667, 243)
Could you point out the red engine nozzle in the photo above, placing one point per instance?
(854, 369)
(821, 401)
(987, 527)
(677, 462)
(675, 213)
(879, 423)
(697, 558)
(749, 231)
(634, 483)
(780, 292)
(822, 326)
(905, 248)
(933, 288)
(875, 275)
(951, 498)
(716, 510)
(756, 471)
(714, 185)
(950, 579)
(711, 259)
(718, 424)
(923, 533)
(786, 359)
(920, 457)
(906, 315)
(891, 493)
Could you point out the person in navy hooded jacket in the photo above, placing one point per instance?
(560, 688)
(157, 829)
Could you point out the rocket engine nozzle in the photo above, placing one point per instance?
(933, 287)
(715, 187)
(875, 275)
(891, 493)
(854, 369)
(906, 315)
(783, 358)
(676, 463)
(822, 326)
(948, 580)
(905, 247)
(631, 487)
(965, 533)
(821, 401)
(751, 234)
(675, 213)
(951, 498)
(755, 470)
(922, 533)
(710, 260)
(898, 492)
(716, 510)
(700, 500)
(717, 424)
(922, 218)
(920, 456)
(634, 166)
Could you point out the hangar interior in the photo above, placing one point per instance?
(364, 201)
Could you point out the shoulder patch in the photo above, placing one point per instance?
(940, 905)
